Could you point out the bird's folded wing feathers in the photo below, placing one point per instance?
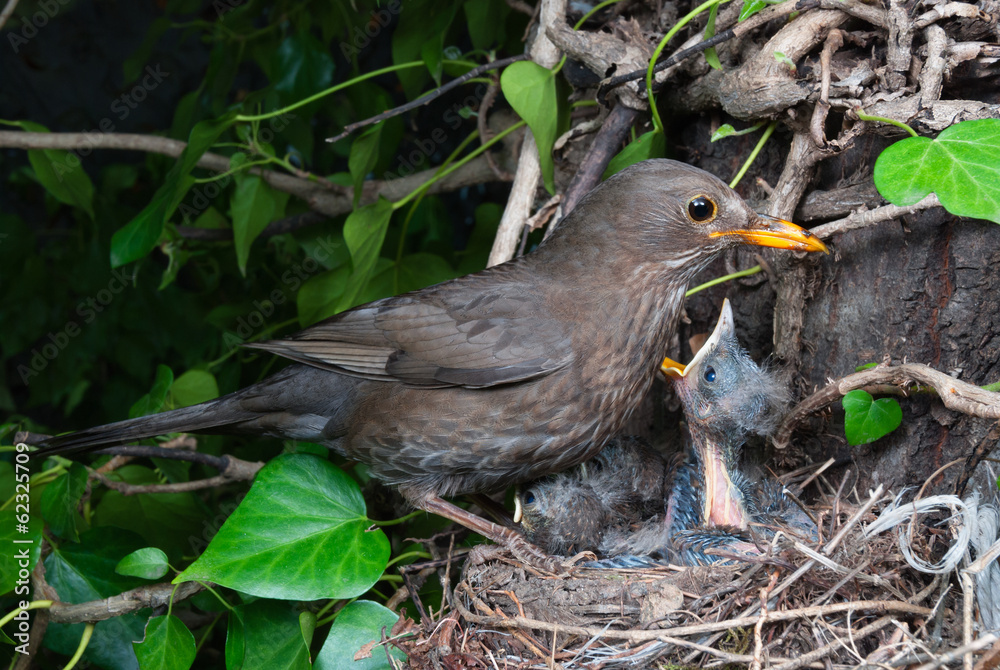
(495, 338)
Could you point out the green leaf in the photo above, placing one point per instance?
(487, 22)
(138, 237)
(301, 66)
(319, 297)
(84, 572)
(711, 55)
(60, 172)
(423, 23)
(145, 563)
(364, 232)
(134, 64)
(726, 130)
(357, 625)
(193, 387)
(364, 154)
(531, 91)
(152, 402)
(785, 60)
(168, 645)
(750, 7)
(301, 533)
(19, 545)
(646, 146)
(866, 420)
(177, 523)
(420, 270)
(254, 204)
(60, 500)
(962, 166)
(266, 634)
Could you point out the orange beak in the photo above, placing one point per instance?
(768, 231)
(672, 368)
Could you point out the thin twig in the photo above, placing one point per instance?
(955, 394)
(427, 97)
(155, 595)
(7, 11)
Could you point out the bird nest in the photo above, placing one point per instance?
(852, 599)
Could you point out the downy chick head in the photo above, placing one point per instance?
(723, 391)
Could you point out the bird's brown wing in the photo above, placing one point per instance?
(436, 339)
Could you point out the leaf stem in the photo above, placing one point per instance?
(396, 522)
(719, 280)
(659, 49)
(753, 154)
(409, 554)
(882, 119)
(82, 647)
(36, 605)
(332, 89)
(438, 177)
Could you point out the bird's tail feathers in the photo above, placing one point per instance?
(187, 419)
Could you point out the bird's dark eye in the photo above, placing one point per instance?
(529, 498)
(701, 209)
(710, 374)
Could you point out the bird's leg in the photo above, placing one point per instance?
(493, 508)
(514, 541)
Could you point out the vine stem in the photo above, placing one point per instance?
(708, 4)
(882, 119)
(753, 154)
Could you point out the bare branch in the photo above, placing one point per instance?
(156, 595)
(235, 470)
(955, 394)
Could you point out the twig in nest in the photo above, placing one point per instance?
(738, 30)
(955, 394)
(424, 99)
(984, 447)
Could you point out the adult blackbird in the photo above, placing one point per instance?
(502, 376)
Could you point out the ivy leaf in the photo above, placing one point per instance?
(60, 500)
(152, 402)
(145, 563)
(266, 634)
(254, 204)
(750, 7)
(60, 172)
(962, 166)
(318, 298)
(193, 387)
(364, 232)
(726, 130)
(711, 55)
(86, 571)
(648, 145)
(301, 66)
(358, 624)
(138, 237)
(364, 155)
(531, 91)
(866, 420)
(168, 645)
(301, 533)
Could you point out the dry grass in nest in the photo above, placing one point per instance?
(846, 601)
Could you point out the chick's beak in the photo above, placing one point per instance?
(672, 368)
(768, 231)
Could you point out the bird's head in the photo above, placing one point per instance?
(723, 391)
(668, 214)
